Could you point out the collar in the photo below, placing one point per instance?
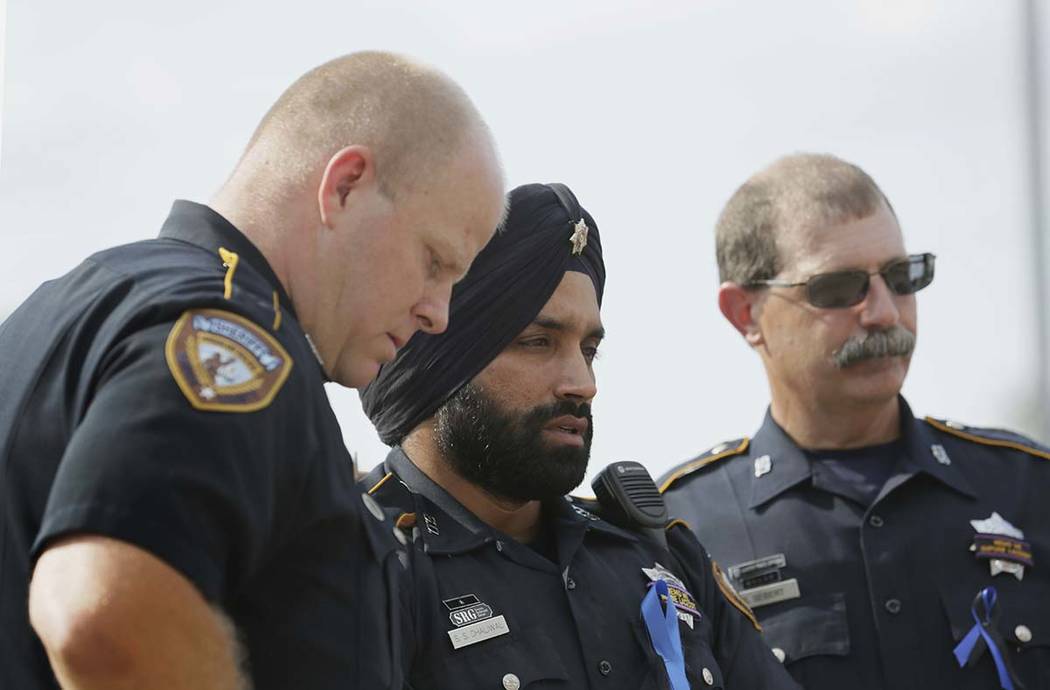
(923, 454)
(420, 484)
(447, 527)
(201, 226)
(576, 512)
(444, 524)
(790, 466)
(927, 455)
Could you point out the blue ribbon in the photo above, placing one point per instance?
(663, 631)
(984, 615)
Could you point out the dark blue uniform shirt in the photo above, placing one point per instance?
(877, 594)
(485, 611)
(163, 394)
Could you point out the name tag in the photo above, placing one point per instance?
(757, 567)
(771, 594)
(478, 632)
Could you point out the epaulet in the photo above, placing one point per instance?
(719, 452)
(1000, 438)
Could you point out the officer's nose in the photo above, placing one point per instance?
(879, 308)
(576, 380)
(431, 312)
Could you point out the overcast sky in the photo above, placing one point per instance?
(652, 112)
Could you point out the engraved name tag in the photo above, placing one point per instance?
(759, 566)
(771, 594)
(478, 632)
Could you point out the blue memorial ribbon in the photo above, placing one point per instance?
(985, 633)
(662, 624)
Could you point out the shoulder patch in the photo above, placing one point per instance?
(222, 362)
(722, 450)
(990, 437)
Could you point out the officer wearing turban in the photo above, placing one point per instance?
(512, 581)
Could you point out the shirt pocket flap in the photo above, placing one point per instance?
(530, 657)
(814, 625)
(1023, 610)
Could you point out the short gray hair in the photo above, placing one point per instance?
(800, 190)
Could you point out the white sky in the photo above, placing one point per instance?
(652, 112)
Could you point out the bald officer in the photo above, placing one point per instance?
(179, 510)
(514, 583)
(879, 550)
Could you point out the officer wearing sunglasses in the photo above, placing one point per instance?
(877, 549)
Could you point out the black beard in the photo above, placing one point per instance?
(504, 453)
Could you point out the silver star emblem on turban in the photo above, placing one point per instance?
(579, 236)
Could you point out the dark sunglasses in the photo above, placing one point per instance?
(840, 289)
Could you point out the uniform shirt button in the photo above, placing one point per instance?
(1023, 634)
(779, 654)
(511, 682)
(604, 667)
(708, 676)
(570, 584)
(893, 606)
(876, 521)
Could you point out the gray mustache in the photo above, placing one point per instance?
(892, 342)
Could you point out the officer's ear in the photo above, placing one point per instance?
(351, 168)
(740, 307)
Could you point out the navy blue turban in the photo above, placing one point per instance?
(507, 286)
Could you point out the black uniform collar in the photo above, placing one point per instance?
(422, 485)
(200, 225)
(927, 455)
(790, 466)
(446, 526)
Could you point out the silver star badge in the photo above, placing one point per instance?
(997, 524)
(1000, 566)
(579, 236)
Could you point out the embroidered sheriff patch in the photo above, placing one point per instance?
(223, 362)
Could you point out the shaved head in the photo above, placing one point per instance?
(369, 186)
(803, 190)
(411, 116)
